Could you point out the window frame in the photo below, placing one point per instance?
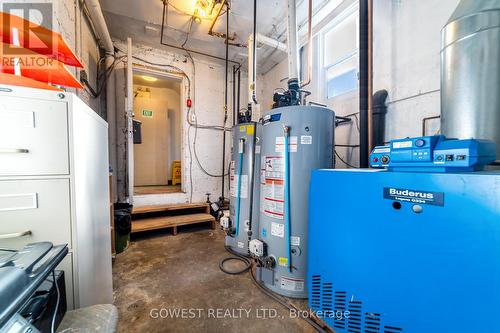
(339, 19)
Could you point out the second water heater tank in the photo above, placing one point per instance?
(244, 186)
(296, 140)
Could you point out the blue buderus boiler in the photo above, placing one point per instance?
(413, 247)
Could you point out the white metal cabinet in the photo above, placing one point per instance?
(27, 207)
(54, 184)
(33, 137)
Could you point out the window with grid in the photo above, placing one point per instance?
(340, 58)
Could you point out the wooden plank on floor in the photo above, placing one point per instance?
(162, 222)
(166, 208)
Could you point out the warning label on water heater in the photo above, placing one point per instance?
(273, 190)
(292, 284)
(278, 229)
(280, 144)
(306, 140)
(233, 188)
(243, 187)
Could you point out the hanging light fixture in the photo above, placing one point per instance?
(202, 10)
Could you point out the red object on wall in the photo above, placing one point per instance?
(38, 67)
(14, 80)
(189, 102)
(16, 31)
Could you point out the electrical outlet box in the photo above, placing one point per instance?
(225, 221)
(257, 247)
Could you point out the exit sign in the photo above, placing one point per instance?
(147, 113)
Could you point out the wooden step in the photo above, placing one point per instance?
(169, 208)
(163, 222)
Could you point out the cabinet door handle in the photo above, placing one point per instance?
(14, 151)
(16, 234)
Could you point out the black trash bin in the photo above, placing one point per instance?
(123, 226)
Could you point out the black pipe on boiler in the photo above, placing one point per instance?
(365, 86)
(379, 110)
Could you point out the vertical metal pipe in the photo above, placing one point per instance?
(251, 84)
(254, 54)
(364, 82)
(309, 47)
(129, 117)
(111, 118)
(235, 112)
(238, 93)
(251, 173)
(293, 51)
(370, 78)
(225, 106)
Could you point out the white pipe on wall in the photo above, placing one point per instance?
(251, 84)
(309, 46)
(271, 42)
(266, 41)
(129, 117)
(293, 50)
(95, 13)
(105, 41)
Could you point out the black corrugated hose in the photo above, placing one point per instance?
(237, 256)
(248, 267)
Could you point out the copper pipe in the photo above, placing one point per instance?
(309, 47)
(211, 31)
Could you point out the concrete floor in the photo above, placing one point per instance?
(159, 273)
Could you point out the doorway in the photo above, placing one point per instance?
(157, 133)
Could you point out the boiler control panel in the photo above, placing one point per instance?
(434, 154)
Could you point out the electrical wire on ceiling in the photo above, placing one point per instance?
(191, 20)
